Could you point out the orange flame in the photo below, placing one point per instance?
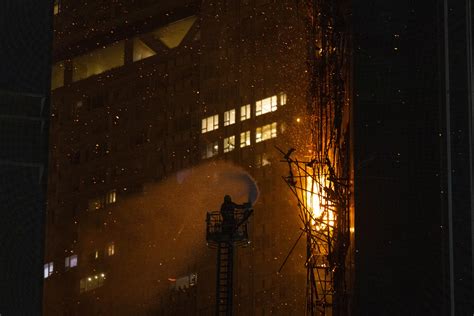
(318, 204)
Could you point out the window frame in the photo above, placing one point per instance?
(245, 112)
(209, 150)
(266, 132)
(209, 121)
(266, 105)
(48, 269)
(110, 249)
(229, 117)
(245, 139)
(229, 144)
(68, 261)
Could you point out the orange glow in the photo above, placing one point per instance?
(318, 204)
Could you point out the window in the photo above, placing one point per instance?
(244, 139)
(245, 112)
(48, 269)
(98, 61)
(262, 160)
(70, 262)
(111, 197)
(56, 7)
(141, 50)
(173, 34)
(282, 97)
(210, 123)
(111, 249)
(229, 144)
(91, 282)
(266, 105)
(210, 150)
(229, 117)
(266, 132)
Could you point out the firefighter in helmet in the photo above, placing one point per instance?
(227, 211)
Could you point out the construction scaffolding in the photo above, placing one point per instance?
(319, 175)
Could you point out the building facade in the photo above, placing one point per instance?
(153, 104)
(413, 136)
(25, 66)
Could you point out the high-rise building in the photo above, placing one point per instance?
(413, 157)
(154, 104)
(24, 118)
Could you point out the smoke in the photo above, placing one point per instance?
(248, 184)
(165, 229)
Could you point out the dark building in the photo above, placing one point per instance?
(24, 114)
(154, 105)
(413, 157)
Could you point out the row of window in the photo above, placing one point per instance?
(263, 106)
(72, 260)
(113, 56)
(262, 133)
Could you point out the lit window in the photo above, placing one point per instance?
(173, 34)
(244, 139)
(96, 254)
(266, 132)
(111, 197)
(262, 160)
(210, 123)
(92, 282)
(48, 269)
(266, 105)
(245, 112)
(229, 117)
(210, 150)
(70, 262)
(141, 50)
(98, 61)
(229, 144)
(56, 7)
(111, 249)
(282, 97)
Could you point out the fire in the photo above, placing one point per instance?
(318, 203)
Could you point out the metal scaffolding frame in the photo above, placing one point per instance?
(320, 179)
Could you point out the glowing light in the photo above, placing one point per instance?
(318, 204)
(298, 120)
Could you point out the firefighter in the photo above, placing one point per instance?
(227, 212)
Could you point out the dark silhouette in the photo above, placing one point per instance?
(228, 211)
